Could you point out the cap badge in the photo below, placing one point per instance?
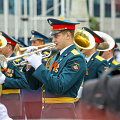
(50, 22)
(0, 33)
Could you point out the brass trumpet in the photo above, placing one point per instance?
(21, 49)
(4, 61)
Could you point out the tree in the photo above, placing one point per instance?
(94, 24)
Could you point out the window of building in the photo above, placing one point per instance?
(59, 11)
(23, 7)
(117, 8)
(50, 7)
(38, 7)
(1, 6)
(107, 8)
(97, 8)
(11, 7)
(87, 1)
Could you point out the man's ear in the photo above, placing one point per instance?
(68, 35)
(10, 47)
(42, 42)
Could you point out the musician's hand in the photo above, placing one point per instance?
(34, 59)
(2, 78)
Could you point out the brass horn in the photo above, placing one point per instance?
(108, 43)
(83, 39)
(4, 61)
(3, 41)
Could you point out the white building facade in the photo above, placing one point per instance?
(19, 17)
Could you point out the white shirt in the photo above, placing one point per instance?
(61, 51)
(108, 59)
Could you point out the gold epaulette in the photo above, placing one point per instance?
(47, 53)
(115, 62)
(99, 58)
(75, 52)
(17, 60)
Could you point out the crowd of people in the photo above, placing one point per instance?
(48, 87)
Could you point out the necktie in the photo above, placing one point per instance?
(57, 56)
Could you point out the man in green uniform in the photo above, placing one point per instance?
(96, 65)
(107, 52)
(63, 77)
(12, 80)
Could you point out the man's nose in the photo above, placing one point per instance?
(53, 39)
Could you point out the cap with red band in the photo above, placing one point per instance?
(59, 25)
(98, 39)
(9, 39)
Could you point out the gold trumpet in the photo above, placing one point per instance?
(22, 49)
(4, 61)
(83, 39)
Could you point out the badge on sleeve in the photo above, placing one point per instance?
(75, 66)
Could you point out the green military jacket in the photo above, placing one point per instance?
(63, 80)
(15, 78)
(95, 67)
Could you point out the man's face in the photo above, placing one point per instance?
(105, 54)
(85, 51)
(36, 43)
(60, 40)
(5, 50)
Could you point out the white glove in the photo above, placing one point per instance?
(30, 49)
(4, 113)
(34, 59)
(2, 78)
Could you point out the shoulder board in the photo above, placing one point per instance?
(47, 53)
(99, 58)
(17, 60)
(75, 52)
(115, 62)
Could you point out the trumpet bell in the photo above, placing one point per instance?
(108, 43)
(3, 61)
(83, 39)
(3, 41)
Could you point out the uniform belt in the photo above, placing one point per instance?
(60, 100)
(8, 91)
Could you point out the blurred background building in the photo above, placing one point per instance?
(19, 17)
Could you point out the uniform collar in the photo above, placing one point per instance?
(64, 49)
(87, 59)
(110, 59)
